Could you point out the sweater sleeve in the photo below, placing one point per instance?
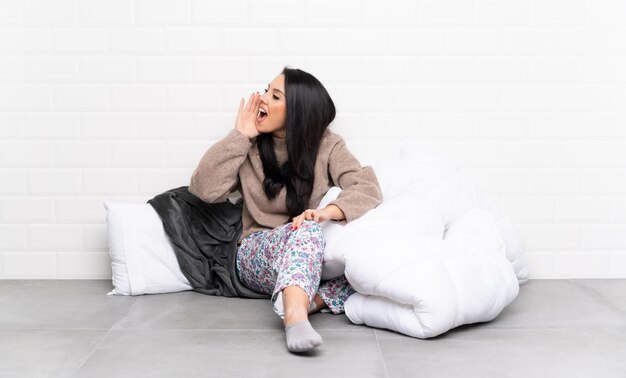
(360, 189)
(217, 173)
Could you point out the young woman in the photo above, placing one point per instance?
(282, 158)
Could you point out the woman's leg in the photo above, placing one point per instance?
(272, 260)
(298, 279)
(300, 271)
(296, 305)
(259, 259)
(255, 265)
(288, 263)
(334, 293)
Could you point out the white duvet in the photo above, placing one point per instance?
(434, 255)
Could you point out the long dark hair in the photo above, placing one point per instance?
(309, 112)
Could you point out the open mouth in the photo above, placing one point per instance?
(261, 116)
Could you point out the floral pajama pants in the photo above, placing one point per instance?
(269, 261)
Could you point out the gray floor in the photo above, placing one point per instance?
(66, 328)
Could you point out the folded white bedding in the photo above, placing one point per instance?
(436, 254)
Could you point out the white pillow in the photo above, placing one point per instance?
(142, 257)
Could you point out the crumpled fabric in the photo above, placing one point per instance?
(204, 237)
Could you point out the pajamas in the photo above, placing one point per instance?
(269, 261)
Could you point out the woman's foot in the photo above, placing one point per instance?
(300, 334)
(301, 337)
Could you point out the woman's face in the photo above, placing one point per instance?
(274, 104)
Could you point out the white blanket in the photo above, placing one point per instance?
(434, 255)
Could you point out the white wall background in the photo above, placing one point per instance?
(118, 100)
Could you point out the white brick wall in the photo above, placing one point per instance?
(118, 100)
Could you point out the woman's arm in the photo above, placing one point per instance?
(318, 215)
(217, 173)
(360, 188)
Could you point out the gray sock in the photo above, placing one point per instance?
(302, 337)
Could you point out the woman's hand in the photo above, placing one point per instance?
(246, 117)
(318, 215)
